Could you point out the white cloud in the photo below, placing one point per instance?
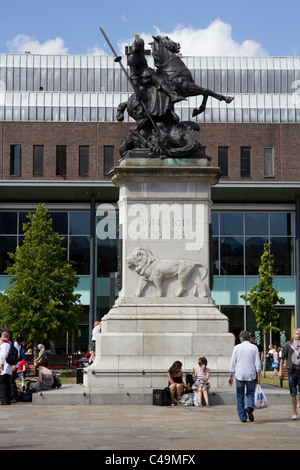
(215, 40)
(22, 43)
(96, 50)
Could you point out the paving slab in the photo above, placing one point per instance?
(137, 429)
(79, 395)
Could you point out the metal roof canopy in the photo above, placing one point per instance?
(256, 192)
(81, 191)
(57, 191)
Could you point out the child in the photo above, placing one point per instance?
(275, 363)
(201, 376)
(21, 373)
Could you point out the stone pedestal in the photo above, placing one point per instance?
(164, 311)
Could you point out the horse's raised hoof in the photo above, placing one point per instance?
(228, 99)
(197, 111)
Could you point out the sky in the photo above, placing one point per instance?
(211, 28)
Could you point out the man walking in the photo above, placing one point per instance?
(291, 354)
(5, 370)
(246, 364)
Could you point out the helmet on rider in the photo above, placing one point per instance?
(138, 45)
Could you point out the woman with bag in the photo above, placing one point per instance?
(176, 384)
(201, 376)
(291, 354)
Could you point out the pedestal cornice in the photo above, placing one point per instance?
(185, 170)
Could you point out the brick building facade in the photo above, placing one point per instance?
(59, 138)
(283, 139)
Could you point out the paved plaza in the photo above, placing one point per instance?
(145, 427)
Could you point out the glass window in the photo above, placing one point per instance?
(79, 254)
(59, 222)
(7, 245)
(223, 160)
(215, 223)
(79, 223)
(107, 257)
(251, 323)
(108, 159)
(236, 320)
(15, 160)
(268, 163)
(231, 253)
(8, 222)
(38, 160)
(283, 250)
(61, 160)
(281, 224)
(245, 162)
(215, 256)
(103, 305)
(231, 223)
(256, 224)
(84, 152)
(254, 248)
(22, 220)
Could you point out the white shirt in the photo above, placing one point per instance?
(4, 350)
(245, 361)
(95, 331)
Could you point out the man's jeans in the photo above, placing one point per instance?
(5, 391)
(241, 385)
(294, 382)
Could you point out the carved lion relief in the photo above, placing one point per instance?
(155, 271)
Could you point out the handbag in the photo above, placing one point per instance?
(260, 399)
(196, 386)
(187, 399)
(162, 397)
(56, 381)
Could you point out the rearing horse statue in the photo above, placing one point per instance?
(167, 62)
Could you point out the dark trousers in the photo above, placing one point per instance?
(5, 393)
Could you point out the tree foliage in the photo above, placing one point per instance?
(263, 297)
(40, 304)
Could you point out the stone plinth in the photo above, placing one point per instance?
(164, 311)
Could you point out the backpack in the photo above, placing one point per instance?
(13, 356)
(25, 396)
(295, 356)
(56, 381)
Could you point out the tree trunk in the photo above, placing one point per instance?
(265, 355)
(35, 351)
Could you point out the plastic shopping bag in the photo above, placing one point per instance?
(260, 399)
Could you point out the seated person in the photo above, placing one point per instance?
(44, 380)
(201, 377)
(176, 384)
(42, 356)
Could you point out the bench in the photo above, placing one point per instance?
(74, 360)
(284, 376)
(58, 361)
(30, 370)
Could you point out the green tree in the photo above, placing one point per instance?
(263, 297)
(40, 305)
